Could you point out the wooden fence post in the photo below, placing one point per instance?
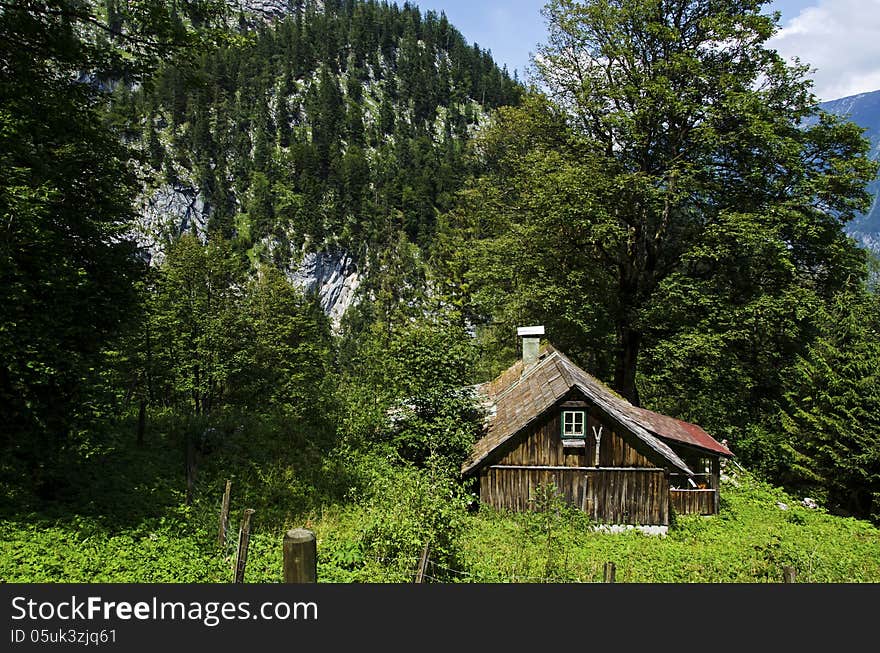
(610, 571)
(244, 538)
(300, 556)
(789, 575)
(224, 514)
(423, 564)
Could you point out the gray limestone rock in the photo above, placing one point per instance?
(169, 212)
(266, 8)
(334, 276)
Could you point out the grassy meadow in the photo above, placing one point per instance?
(124, 518)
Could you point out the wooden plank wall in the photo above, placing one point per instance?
(639, 496)
(513, 489)
(629, 496)
(694, 502)
(542, 445)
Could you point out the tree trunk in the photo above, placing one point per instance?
(190, 467)
(142, 422)
(197, 389)
(628, 343)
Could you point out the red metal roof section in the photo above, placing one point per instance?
(670, 428)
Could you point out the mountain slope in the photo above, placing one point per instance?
(864, 110)
(316, 140)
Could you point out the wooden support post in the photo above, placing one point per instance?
(423, 564)
(244, 539)
(224, 515)
(300, 556)
(610, 571)
(716, 484)
(789, 575)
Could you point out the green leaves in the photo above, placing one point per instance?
(290, 359)
(66, 267)
(195, 325)
(407, 386)
(214, 338)
(831, 409)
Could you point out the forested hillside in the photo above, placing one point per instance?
(340, 126)
(280, 247)
(243, 147)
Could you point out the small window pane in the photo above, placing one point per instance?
(573, 423)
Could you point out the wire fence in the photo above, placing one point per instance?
(596, 573)
(439, 572)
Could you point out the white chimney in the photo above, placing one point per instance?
(531, 344)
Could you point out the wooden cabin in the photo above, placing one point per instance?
(549, 421)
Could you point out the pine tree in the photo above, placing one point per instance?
(831, 413)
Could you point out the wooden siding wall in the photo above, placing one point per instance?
(612, 496)
(694, 502)
(542, 445)
(514, 489)
(628, 497)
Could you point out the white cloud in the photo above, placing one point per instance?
(841, 40)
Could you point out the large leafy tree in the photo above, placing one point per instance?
(66, 192)
(290, 364)
(671, 133)
(212, 338)
(408, 387)
(196, 325)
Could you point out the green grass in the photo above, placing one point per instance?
(123, 519)
(749, 542)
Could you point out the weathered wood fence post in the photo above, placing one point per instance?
(610, 571)
(300, 556)
(789, 575)
(423, 564)
(244, 539)
(224, 514)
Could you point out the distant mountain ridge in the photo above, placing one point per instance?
(864, 110)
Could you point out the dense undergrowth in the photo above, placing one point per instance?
(373, 516)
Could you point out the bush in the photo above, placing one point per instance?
(381, 538)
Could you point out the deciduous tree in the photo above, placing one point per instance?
(669, 121)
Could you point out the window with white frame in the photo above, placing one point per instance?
(574, 425)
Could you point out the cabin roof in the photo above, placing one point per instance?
(677, 430)
(515, 399)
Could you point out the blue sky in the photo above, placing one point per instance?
(837, 37)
